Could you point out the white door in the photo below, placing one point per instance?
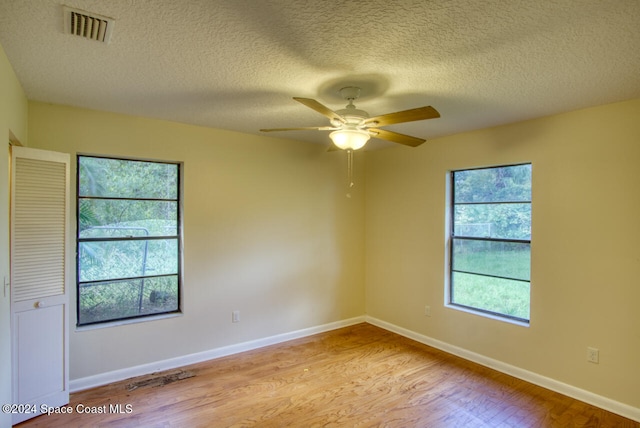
(41, 256)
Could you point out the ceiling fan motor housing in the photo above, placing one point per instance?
(353, 115)
(350, 113)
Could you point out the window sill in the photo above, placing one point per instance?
(126, 322)
(486, 315)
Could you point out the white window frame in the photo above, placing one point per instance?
(449, 238)
(178, 236)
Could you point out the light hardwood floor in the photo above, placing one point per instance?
(359, 376)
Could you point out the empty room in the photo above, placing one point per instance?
(275, 213)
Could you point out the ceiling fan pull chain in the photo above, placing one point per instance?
(350, 169)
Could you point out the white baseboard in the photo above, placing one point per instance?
(80, 384)
(622, 409)
(571, 391)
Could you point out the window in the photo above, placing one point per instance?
(128, 239)
(490, 240)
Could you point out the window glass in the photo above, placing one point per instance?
(495, 258)
(111, 218)
(493, 220)
(501, 184)
(122, 178)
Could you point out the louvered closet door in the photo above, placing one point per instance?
(40, 257)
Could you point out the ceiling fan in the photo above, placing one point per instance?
(351, 127)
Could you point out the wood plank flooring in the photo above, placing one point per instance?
(359, 376)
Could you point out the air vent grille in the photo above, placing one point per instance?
(87, 25)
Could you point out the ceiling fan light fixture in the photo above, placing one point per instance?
(352, 139)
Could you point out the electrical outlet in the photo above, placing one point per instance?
(593, 355)
(427, 311)
(235, 316)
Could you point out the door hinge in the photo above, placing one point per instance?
(7, 284)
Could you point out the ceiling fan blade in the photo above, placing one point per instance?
(420, 113)
(323, 110)
(304, 128)
(395, 137)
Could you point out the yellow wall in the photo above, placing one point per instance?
(585, 278)
(268, 231)
(13, 122)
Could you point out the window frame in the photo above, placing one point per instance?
(451, 237)
(178, 237)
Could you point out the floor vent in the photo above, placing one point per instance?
(87, 25)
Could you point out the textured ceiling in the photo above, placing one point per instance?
(235, 64)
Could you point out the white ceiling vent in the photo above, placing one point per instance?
(88, 25)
